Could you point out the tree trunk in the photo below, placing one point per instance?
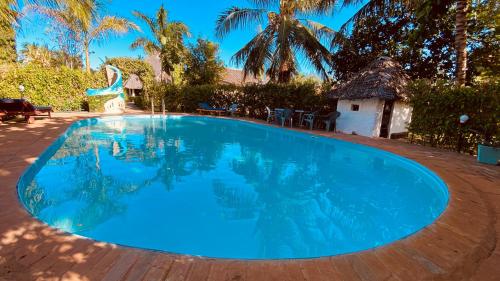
(461, 41)
(87, 57)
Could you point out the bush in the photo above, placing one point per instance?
(438, 107)
(62, 88)
(96, 103)
(252, 99)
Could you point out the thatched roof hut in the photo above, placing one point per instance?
(133, 83)
(384, 78)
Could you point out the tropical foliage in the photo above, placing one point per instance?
(252, 99)
(203, 65)
(287, 33)
(7, 44)
(84, 30)
(438, 106)
(62, 88)
(427, 11)
(424, 51)
(167, 41)
(42, 55)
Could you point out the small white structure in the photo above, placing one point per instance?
(373, 102)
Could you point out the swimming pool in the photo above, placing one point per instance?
(227, 189)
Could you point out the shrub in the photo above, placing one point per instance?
(252, 99)
(62, 88)
(96, 103)
(438, 107)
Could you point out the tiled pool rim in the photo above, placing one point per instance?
(449, 249)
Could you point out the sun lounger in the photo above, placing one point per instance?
(205, 108)
(14, 107)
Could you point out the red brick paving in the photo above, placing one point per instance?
(460, 245)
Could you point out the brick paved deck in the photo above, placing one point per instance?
(460, 245)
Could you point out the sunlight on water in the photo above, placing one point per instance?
(222, 188)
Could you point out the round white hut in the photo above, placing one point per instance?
(373, 102)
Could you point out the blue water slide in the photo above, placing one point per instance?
(115, 83)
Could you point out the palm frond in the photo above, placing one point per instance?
(264, 3)
(314, 52)
(256, 53)
(320, 30)
(111, 25)
(9, 12)
(235, 17)
(63, 18)
(318, 7)
(150, 22)
(149, 46)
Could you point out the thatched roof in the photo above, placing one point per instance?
(133, 82)
(384, 78)
(154, 61)
(235, 76)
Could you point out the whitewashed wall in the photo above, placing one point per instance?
(401, 117)
(365, 122)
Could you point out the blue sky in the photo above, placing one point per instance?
(199, 15)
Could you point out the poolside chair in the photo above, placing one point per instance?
(331, 121)
(14, 107)
(285, 115)
(270, 115)
(203, 107)
(309, 118)
(233, 108)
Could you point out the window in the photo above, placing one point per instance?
(355, 107)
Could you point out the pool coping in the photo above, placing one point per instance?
(452, 248)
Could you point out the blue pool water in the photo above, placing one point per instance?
(228, 189)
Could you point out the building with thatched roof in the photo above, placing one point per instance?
(133, 85)
(154, 61)
(373, 102)
(237, 77)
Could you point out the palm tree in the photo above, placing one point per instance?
(9, 20)
(167, 40)
(285, 35)
(9, 9)
(33, 53)
(422, 8)
(86, 30)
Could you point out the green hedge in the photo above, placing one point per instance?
(437, 108)
(61, 88)
(252, 99)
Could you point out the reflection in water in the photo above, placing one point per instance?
(224, 188)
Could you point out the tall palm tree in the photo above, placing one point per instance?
(287, 33)
(167, 41)
(422, 7)
(86, 30)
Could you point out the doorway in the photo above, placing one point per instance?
(386, 119)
